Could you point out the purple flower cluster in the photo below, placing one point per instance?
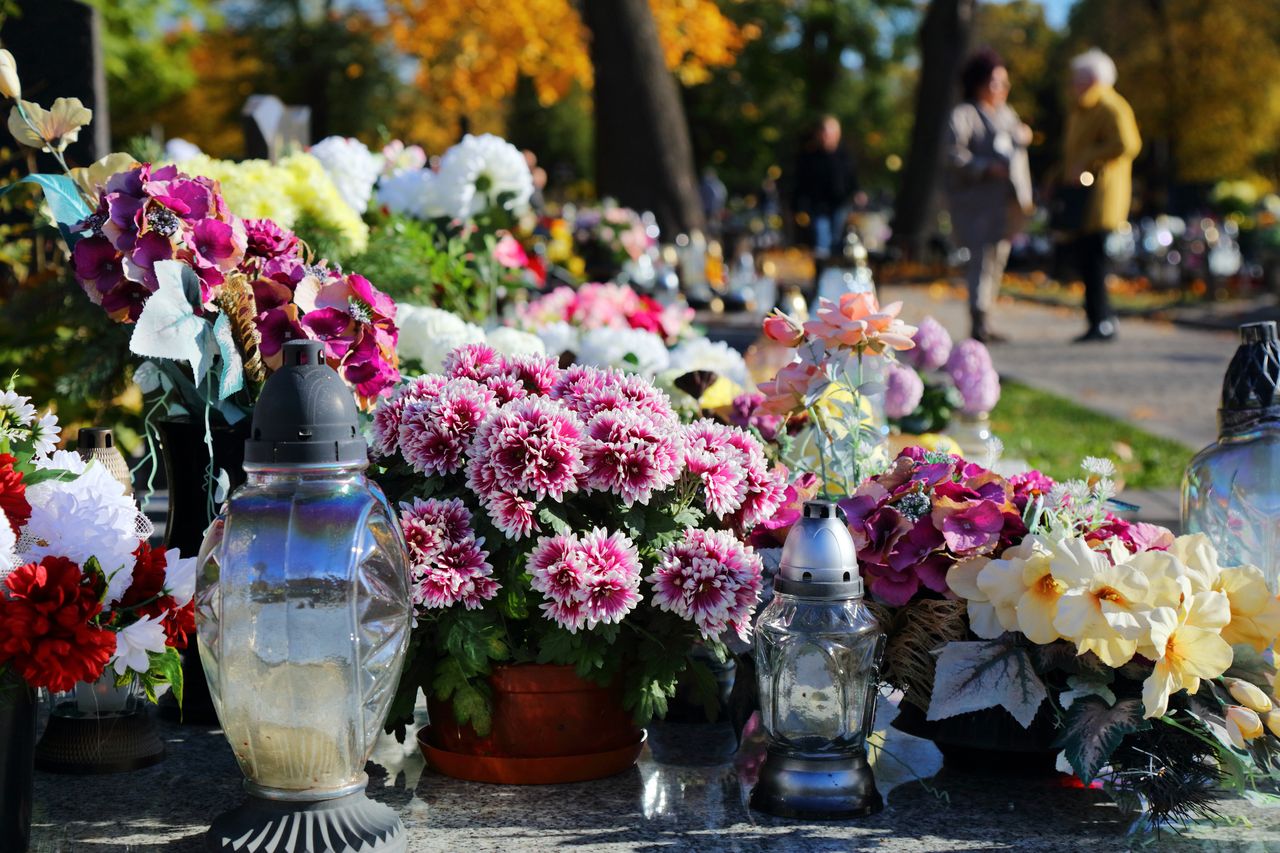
(748, 412)
(975, 377)
(932, 346)
(903, 390)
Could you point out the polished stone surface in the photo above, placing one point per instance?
(688, 792)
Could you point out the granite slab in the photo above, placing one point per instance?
(688, 792)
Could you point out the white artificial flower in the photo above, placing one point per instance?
(46, 434)
(559, 338)
(15, 411)
(479, 170)
(513, 342)
(178, 150)
(714, 356)
(397, 157)
(179, 576)
(352, 167)
(410, 192)
(135, 644)
(62, 460)
(90, 516)
(427, 335)
(1099, 466)
(8, 547)
(633, 350)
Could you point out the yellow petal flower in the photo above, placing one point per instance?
(1197, 553)
(962, 579)
(1185, 650)
(91, 179)
(49, 130)
(1247, 721)
(10, 85)
(1255, 612)
(1249, 695)
(1271, 720)
(1103, 608)
(1038, 606)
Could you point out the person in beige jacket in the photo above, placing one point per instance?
(988, 182)
(1101, 143)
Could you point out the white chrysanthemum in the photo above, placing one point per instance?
(90, 516)
(427, 335)
(559, 338)
(135, 643)
(46, 434)
(179, 150)
(513, 342)
(409, 193)
(634, 350)
(478, 172)
(352, 167)
(15, 410)
(715, 356)
(62, 460)
(8, 547)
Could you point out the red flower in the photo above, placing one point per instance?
(45, 629)
(13, 494)
(143, 597)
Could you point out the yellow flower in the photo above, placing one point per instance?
(1021, 588)
(1242, 725)
(1271, 720)
(962, 579)
(1197, 553)
(721, 394)
(91, 179)
(49, 130)
(1186, 647)
(10, 85)
(1255, 612)
(1249, 695)
(1103, 608)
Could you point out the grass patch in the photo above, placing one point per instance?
(1054, 434)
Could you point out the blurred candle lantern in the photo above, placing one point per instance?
(818, 650)
(303, 614)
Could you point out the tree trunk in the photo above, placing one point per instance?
(643, 155)
(944, 42)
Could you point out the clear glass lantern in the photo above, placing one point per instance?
(303, 614)
(1231, 489)
(818, 651)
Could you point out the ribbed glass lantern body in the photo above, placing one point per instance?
(818, 663)
(303, 613)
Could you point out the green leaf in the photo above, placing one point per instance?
(1095, 729)
(973, 676)
(45, 475)
(65, 202)
(549, 517)
(164, 668)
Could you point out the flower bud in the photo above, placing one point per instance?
(1272, 721)
(1249, 695)
(781, 328)
(1242, 725)
(10, 85)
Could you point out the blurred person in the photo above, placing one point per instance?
(825, 186)
(714, 195)
(537, 201)
(988, 182)
(1101, 143)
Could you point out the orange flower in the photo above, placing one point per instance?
(857, 322)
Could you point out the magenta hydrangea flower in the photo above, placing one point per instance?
(632, 455)
(588, 579)
(435, 432)
(975, 377)
(479, 362)
(447, 562)
(267, 240)
(932, 346)
(711, 579)
(531, 446)
(903, 390)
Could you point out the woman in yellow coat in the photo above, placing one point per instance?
(1101, 143)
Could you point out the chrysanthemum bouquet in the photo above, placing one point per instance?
(566, 516)
(83, 593)
(1147, 657)
(837, 368)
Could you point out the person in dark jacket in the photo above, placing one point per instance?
(825, 184)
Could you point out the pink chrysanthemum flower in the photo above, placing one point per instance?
(389, 414)
(718, 464)
(511, 513)
(710, 579)
(474, 361)
(530, 446)
(632, 455)
(435, 433)
(447, 562)
(587, 580)
(579, 386)
(766, 494)
(539, 374)
(506, 388)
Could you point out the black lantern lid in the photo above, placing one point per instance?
(306, 414)
(1249, 387)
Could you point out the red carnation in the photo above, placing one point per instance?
(45, 632)
(13, 494)
(180, 624)
(143, 597)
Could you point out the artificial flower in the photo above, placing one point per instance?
(858, 322)
(136, 643)
(10, 85)
(970, 368)
(49, 130)
(932, 346)
(1243, 725)
(782, 328)
(1249, 695)
(903, 390)
(92, 179)
(1104, 606)
(1020, 586)
(1186, 646)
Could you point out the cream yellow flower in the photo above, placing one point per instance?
(962, 579)
(1271, 720)
(91, 179)
(49, 130)
(10, 85)
(1197, 553)
(1103, 608)
(1248, 695)
(1242, 725)
(1022, 589)
(1255, 612)
(1186, 646)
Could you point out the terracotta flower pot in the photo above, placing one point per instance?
(549, 726)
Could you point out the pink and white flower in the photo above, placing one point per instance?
(588, 579)
(710, 579)
(435, 433)
(531, 446)
(389, 413)
(632, 455)
(478, 362)
(447, 562)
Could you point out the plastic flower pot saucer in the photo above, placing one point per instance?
(502, 770)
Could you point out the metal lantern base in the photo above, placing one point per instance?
(350, 824)
(816, 788)
(112, 743)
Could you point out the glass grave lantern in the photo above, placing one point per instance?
(1231, 489)
(303, 616)
(818, 650)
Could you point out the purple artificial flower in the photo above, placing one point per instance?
(903, 390)
(975, 377)
(746, 413)
(969, 529)
(932, 346)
